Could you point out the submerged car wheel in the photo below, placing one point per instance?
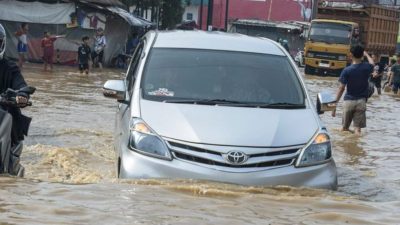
(308, 70)
(119, 167)
(21, 171)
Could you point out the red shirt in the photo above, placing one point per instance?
(48, 45)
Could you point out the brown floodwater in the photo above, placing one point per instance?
(70, 170)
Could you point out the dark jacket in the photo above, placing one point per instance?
(11, 77)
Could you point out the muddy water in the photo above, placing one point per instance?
(70, 170)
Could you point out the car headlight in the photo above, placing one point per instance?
(144, 140)
(309, 54)
(318, 151)
(342, 58)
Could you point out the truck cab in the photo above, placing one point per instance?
(339, 25)
(327, 50)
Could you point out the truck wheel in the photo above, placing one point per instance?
(307, 70)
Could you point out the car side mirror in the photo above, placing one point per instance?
(326, 102)
(115, 89)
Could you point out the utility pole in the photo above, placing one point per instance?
(201, 15)
(158, 16)
(314, 9)
(226, 15)
(210, 14)
(270, 9)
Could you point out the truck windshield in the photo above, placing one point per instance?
(332, 33)
(188, 75)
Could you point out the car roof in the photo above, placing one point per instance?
(216, 41)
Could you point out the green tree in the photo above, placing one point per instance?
(172, 11)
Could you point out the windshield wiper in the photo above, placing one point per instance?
(203, 101)
(282, 105)
(225, 102)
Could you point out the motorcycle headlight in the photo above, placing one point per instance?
(318, 151)
(309, 54)
(144, 140)
(342, 58)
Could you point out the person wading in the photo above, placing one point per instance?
(395, 75)
(22, 46)
(48, 49)
(99, 46)
(377, 73)
(354, 79)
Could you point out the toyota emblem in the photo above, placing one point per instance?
(236, 158)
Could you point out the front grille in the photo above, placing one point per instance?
(325, 55)
(213, 158)
(284, 152)
(214, 163)
(191, 148)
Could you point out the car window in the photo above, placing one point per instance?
(131, 75)
(210, 74)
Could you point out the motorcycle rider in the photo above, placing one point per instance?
(11, 77)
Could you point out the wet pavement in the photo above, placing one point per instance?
(70, 169)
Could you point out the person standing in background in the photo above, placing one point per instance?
(132, 43)
(48, 49)
(22, 46)
(99, 46)
(395, 75)
(84, 55)
(377, 73)
(387, 86)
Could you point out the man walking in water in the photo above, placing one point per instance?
(354, 79)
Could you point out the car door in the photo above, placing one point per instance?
(124, 110)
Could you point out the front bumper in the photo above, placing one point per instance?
(333, 68)
(135, 165)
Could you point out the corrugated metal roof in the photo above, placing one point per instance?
(103, 2)
(132, 20)
(262, 23)
(98, 2)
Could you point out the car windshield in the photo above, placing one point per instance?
(333, 33)
(225, 77)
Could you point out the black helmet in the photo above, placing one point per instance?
(2, 41)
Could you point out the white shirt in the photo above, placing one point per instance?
(100, 43)
(23, 38)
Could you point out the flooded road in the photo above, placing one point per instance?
(70, 171)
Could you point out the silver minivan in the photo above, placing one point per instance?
(221, 107)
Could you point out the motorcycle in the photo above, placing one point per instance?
(10, 150)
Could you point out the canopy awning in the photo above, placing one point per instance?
(128, 17)
(36, 12)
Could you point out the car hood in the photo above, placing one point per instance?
(235, 126)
